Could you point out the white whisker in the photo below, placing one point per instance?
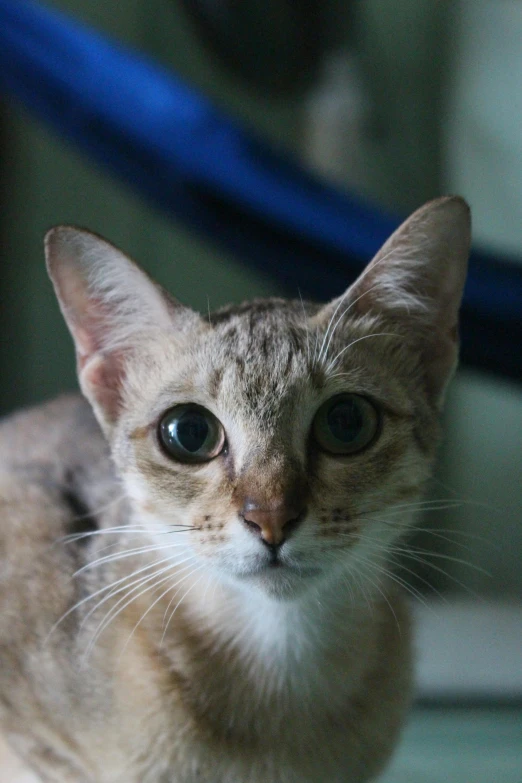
(361, 560)
(350, 345)
(119, 530)
(125, 554)
(324, 351)
(339, 303)
(180, 601)
(434, 567)
(104, 589)
(450, 559)
(163, 594)
(307, 329)
(137, 582)
(112, 614)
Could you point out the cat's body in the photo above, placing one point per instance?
(257, 636)
(135, 715)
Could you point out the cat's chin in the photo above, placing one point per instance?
(280, 581)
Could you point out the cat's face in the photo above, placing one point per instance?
(328, 444)
(284, 438)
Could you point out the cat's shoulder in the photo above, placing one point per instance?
(55, 476)
(55, 468)
(33, 433)
(57, 445)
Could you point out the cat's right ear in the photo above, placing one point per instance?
(109, 304)
(416, 281)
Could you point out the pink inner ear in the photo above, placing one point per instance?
(101, 379)
(85, 346)
(88, 325)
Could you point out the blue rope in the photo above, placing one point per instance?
(168, 141)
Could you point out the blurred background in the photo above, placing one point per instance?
(398, 102)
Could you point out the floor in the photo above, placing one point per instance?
(460, 745)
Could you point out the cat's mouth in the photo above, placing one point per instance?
(278, 566)
(280, 579)
(277, 572)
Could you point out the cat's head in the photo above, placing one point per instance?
(287, 437)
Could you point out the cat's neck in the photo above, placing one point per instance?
(263, 634)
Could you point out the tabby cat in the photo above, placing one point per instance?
(195, 583)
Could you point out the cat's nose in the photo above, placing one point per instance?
(272, 524)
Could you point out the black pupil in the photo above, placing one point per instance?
(191, 430)
(345, 421)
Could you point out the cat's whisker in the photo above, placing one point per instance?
(412, 549)
(100, 509)
(441, 533)
(435, 534)
(336, 358)
(362, 581)
(405, 552)
(445, 533)
(104, 589)
(163, 594)
(417, 576)
(361, 560)
(435, 504)
(307, 328)
(324, 351)
(415, 554)
(123, 529)
(135, 584)
(341, 300)
(363, 590)
(108, 548)
(122, 603)
(466, 500)
(381, 592)
(365, 272)
(427, 506)
(385, 549)
(433, 567)
(74, 537)
(180, 601)
(449, 559)
(136, 552)
(110, 615)
(421, 505)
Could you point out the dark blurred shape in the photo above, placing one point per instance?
(274, 46)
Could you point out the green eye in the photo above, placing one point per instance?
(190, 433)
(345, 424)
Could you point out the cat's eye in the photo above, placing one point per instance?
(346, 424)
(190, 433)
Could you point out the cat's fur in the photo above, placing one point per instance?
(221, 669)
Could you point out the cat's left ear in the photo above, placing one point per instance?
(109, 305)
(416, 281)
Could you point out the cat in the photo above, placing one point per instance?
(195, 583)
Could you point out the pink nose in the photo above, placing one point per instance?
(272, 524)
